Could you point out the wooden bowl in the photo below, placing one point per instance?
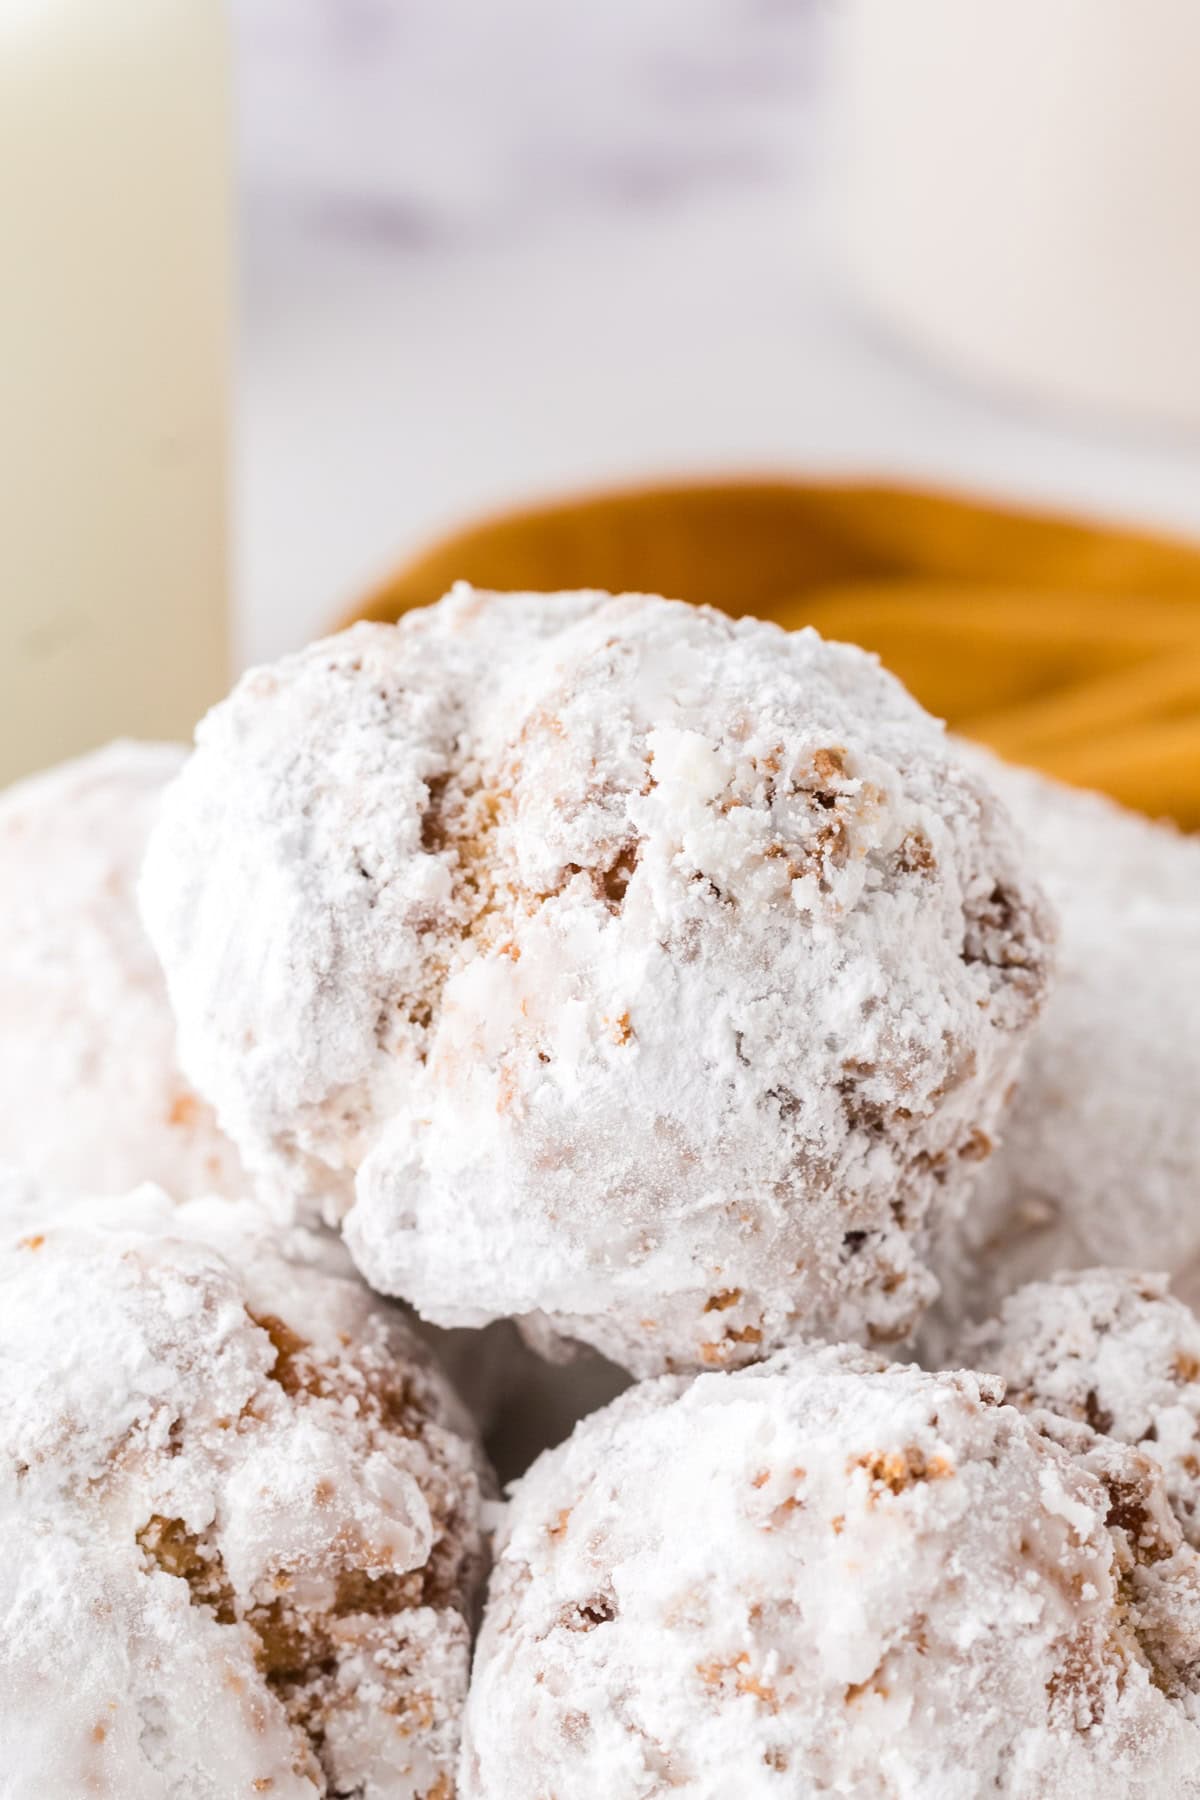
(1071, 645)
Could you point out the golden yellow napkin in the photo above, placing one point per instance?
(1072, 646)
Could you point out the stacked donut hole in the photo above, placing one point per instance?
(1099, 1159)
(648, 1001)
(93, 1096)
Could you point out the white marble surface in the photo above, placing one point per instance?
(496, 251)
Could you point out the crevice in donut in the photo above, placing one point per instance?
(613, 882)
(172, 1548)
(998, 937)
(586, 1615)
(435, 831)
(298, 1651)
(1129, 1512)
(610, 883)
(293, 1369)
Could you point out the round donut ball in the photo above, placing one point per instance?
(1115, 1350)
(649, 975)
(239, 1518)
(1099, 1154)
(91, 1096)
(829, 1576)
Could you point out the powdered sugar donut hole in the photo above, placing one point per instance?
(239, 1516)
(93, 1097)
(1099, 1155)
(653, 977)
(827, 1575)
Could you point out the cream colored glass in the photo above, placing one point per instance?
(1023, 191)
(114, 305)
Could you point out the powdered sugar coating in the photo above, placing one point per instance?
(1114, 1349)
(91, 1095)
(658, 976)
(238, 1517)
(827, 1576)
(1099, 1154)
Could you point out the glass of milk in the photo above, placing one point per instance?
(1023, 191)
(114, 309)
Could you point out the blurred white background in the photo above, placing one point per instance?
(495, 249)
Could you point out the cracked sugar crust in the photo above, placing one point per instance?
(649, 975)
(239, 1517)
(91, 1096)
(1099, 1154)
(1111, 1348)
(825, 1575)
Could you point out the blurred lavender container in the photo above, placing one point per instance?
(416, 121)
